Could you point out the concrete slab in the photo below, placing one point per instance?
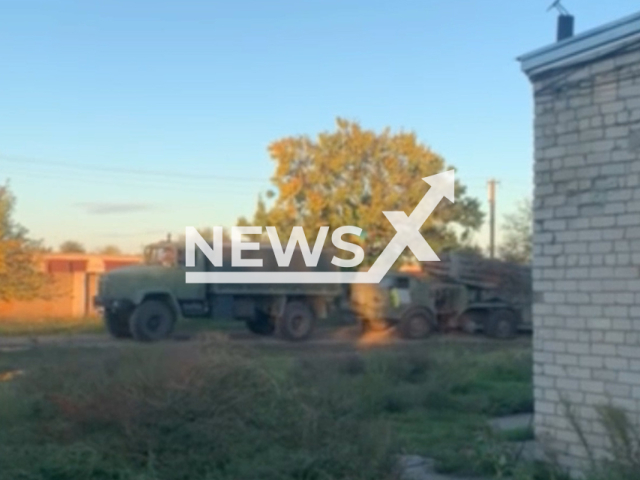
(415, 467)
(511, 422)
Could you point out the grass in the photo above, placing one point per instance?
(27, 327)
(214, 410)
(14, 327)
(11, 327)
(521, 434)
(437, 402)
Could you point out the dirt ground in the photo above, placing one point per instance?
(328, 339)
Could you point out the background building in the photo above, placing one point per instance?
(75, 280)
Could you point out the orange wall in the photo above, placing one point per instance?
(60, 305)
(72, 292)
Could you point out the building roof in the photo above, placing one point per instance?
(584, 47)
(85, 262)
(89, 256)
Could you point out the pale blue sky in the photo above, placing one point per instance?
(202, 87)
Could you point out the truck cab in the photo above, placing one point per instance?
(401, 300)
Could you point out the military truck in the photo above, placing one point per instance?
(145, 301)
(461, 292)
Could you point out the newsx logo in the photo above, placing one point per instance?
(407, 235)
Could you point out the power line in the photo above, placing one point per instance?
(103, 178)
(128, 171)
(59, 177)
(112, 177)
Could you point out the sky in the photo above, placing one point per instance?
(123, 120)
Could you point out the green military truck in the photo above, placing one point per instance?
(145, 301)
(461, 292)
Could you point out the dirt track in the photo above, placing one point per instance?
(326, 339)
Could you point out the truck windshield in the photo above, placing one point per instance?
(387, 283)
(161, 255)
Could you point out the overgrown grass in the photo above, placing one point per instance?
(49, 326)
(521, 434)
(437, 402)
(205, 413)
(215, 411)
(622, 458)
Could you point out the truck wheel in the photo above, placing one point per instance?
(261, 325)
(117, 324)
(502, 324)
(297, 321)
(416, 325)
(151, 321)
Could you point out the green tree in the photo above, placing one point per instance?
(20, 277)
(467, 249)
(260, 217)
(71, 246)
(110, 250)
(351, 175)
(517, 243)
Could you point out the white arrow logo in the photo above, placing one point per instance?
(407, 235)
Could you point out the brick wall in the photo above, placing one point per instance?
(74, 279)
(586, 251)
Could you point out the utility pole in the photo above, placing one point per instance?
(492, 217)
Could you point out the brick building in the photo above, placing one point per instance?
(586, 234)
(75, 280)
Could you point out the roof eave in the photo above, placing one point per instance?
(586, 46)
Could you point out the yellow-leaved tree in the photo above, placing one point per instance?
(20, 277)
(350, 176)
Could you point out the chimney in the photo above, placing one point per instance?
(565, 26)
